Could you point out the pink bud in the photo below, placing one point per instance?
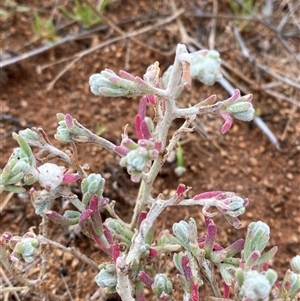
(116, 80)
(210, 238)
(70, 178)
(126, 75)
(121, 150)
(187, 271)
(69, 120)
(108, 71)
(142, 216)
(84, 217)
(115, 252)
(235, 96)
(94, 202)
(265, 266)
(217, 247)
(151, 99)
(195, 292)
(247, 97)
(208, 101)
(143, 107)
(107, 234)
(128, 143)
(146, 278)
(227, 121)
(181, 188)
(153, 252)
(145, 130)
(145, 143)
(226, 291)
(103, 202)
(140, 81)
(138, 126)
(60, 219)
(288, 285)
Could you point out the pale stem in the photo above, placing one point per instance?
(209, 272)
(162, 130)
(181, 113)
(102, 142)
(139, 238)
(55, 151)
(44, 257)
(156, 209)
(139, 205)
(176, 73)
(168, 248)
(192, 202)
(178, 134)
(93, 138)
(186, 296)
(195, 110)
(124, 287)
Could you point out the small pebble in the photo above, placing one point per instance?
(295, 238)
(24, 103)
(277, 209)
(193, 168)
(242, 145)
(253, 161)
(254, 179)
(235, 128)
(239, 187)
(201, 165)
(223, 167)
(235, 171)
(75, 263)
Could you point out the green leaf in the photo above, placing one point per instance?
(14, 188)
(23, 144)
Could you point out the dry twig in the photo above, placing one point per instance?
(11, 288)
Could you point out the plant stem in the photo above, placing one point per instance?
(162, 129)
(124, 286)
(209, 272)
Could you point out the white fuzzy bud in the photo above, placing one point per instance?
(50, 175)
(205, 66)
(256, 287)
